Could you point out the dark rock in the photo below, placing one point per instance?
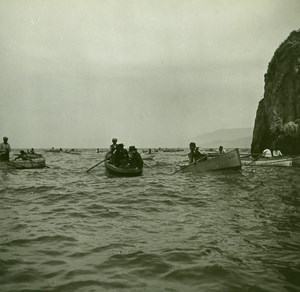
(277, 122)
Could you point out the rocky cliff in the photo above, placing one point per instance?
(277, 122)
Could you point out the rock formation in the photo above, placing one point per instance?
(277, 122)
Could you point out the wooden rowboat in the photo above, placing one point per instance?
(229, 160)
(120, 171)
(23, 164)
(285, 162)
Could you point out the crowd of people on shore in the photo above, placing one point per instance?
(121, 157)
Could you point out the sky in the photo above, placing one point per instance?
(152, 73)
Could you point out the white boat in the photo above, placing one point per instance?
(281, 161)
(148, 156)
(229, 160)
(23, 164)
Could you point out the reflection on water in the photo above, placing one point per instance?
(63, 229)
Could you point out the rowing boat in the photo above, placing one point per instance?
(76, 152)
(281, 161)
(122, 171)
(23, 164)
(148, 156)
(229, 160)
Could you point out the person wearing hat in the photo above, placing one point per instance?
(120, 156)
(135, 159)
(4, 150)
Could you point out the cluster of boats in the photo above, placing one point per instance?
(212, 162)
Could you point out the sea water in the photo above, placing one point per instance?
(63, 229)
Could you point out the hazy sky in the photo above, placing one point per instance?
(151, 73)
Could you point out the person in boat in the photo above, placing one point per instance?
(4, 150)
(22, 155)
(221, 150)
(149, 152)
(134, 158)
(195, 154)
(277, 152)
(267, 153)
(113, 146)
(32, 151)
(120, 156)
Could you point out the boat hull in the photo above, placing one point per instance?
(118, 171)
(230, 160)
(296, 161)
(284, 162)
(23, 164)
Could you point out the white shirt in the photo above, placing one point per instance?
(267, 153)
(4, 148)
(277, 153)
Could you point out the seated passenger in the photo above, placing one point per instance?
(267, 153)
(135, 159)
(22, 155)
(198, 154)
(277, 152)
(32, 151)
(120, 156)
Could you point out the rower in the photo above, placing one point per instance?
(4, 150)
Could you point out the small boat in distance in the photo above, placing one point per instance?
(53, 150)
(228, 161)
(122, 171)
(148, 156)
(275, 161)
(73, 151)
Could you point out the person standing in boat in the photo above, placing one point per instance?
(221, 150)
(4, 150)
(112, 148)
(135, 159)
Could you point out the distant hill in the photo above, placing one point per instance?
(229, 138)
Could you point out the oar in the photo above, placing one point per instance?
(96, 164)
(189, 165)
(146, 164)
(255, 159)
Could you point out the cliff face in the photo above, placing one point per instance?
(277, 122)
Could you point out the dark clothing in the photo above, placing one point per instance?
(112, 148)
(4, 157)
(195, 155)
(4, 151)
(135, 160)
(120, 158)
